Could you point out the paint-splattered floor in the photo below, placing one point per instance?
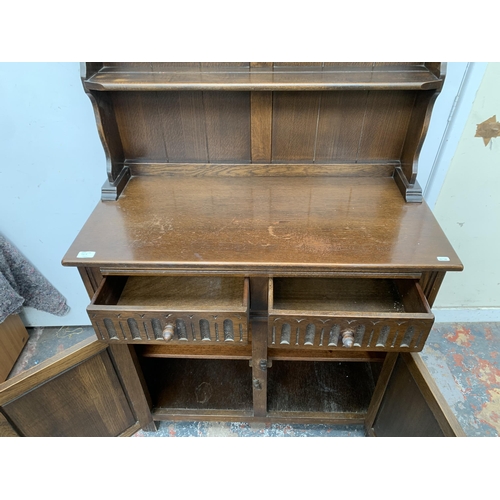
(463, 359)
(240, 429)
(43, 343)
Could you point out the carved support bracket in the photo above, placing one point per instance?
(411, 192)
(110, 191)
(107, 127)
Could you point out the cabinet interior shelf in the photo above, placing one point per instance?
(285, 78)
(211, 388)
(199, 384)
(320, 387)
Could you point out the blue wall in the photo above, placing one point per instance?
(51, 171)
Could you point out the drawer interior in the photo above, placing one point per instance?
(174, 293)
(347, 295)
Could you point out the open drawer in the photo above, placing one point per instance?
(177, 310)
(361, 313)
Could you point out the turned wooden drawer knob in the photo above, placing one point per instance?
(348, 338)
(168, 332)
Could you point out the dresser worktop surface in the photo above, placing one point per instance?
(263, 225)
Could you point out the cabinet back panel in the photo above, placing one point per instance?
(139, 125)
(295, 119)
(331, 127)
(205, 127)
(340, 124)
(385, 125)
(306, 127)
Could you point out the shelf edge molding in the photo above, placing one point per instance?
(287, 78)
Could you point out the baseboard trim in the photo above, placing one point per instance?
(465, 315)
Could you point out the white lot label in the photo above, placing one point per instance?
(444, 259)
(88, 255)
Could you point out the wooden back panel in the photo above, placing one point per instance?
(194, 127)
(305, 127)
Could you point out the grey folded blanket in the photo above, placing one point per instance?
(21, 284)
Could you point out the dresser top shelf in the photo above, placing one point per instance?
(156, 77)
(263, 224)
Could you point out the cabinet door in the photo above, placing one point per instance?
(412, 405)
(80, 392)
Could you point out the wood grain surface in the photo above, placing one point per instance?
(412, 405)
(283, 76)
(264, 224)
(319, 387)
(199, 384)
(185, 293)
(310, 294)
(344, 169)
(85, 401)
(6, 430)
(13, 337)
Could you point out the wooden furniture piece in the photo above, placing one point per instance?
(13, 337)
(262, 251)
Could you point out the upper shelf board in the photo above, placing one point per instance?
(265, 79)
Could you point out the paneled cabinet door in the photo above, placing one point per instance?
(89, 390)
(410, 405)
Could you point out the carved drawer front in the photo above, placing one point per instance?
(177, 310)
(360, 314)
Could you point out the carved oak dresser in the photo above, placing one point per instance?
(262, 251)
